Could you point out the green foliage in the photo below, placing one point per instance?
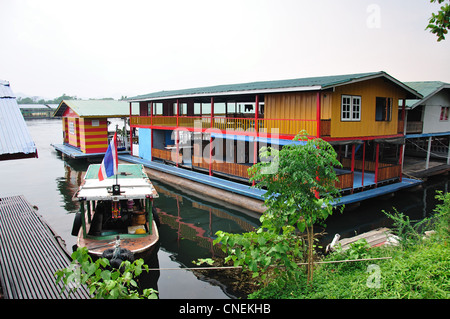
(300, 184)
(439, 23)
(257, 251)
(300, 190)
(442, 217)
(102, 281)
(419, 269)
(408, 231)
(201, 261)
(28, 100)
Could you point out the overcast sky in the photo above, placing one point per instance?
(107, 48)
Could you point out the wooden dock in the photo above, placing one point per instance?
(377, 237)
(30, 254)
(76, 153)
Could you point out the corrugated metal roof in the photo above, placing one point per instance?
(427, 89)
(15, 139)
(98, 108)
(292, 85)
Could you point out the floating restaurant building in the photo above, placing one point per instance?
(218, 130)
(85, 124)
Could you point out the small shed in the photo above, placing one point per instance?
(85, 122)
(15, 139)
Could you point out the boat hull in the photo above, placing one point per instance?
(140, 246)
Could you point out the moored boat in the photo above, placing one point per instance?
(117, 211)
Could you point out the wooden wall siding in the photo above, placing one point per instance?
(367, 126)
(73, 131)
(233, 169)
(369, 166)
(386, 171)
(93, 139)
(167, 155)
(389, 172)
(345, 181)
(295, 106)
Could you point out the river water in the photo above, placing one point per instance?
(188, 220)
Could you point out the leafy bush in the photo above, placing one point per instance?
(102, 281)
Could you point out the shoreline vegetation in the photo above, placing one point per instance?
(419, 267)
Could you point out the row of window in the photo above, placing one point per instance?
(351, 108)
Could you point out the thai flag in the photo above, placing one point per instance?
(110, 163)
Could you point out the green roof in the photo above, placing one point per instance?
(427, 89)
(292, 85)
(125, 171)
(95, 108)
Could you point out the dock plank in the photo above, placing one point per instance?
(374, 238)
(30, 254)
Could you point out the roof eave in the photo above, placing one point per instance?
(243, 92)
(426, 98)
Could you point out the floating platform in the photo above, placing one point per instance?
(377, 192)
(30, 254)
(248, 191)
(76, 153)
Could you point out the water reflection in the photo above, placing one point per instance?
(187, 230)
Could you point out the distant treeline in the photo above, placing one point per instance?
(30, 100)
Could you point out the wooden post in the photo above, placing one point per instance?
(210, 137)
(255, 141)
(151, 113)
(177, 141)
(318, 114)
(151, 131)
(353, 162)
(131, 132)
(363, 164)
(377, 155)
(400, 161)
(427, 163)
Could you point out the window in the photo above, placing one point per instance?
(157, 108)
(383, 109)
(445, 110)
(350, 108)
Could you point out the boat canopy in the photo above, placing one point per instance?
(134, 184)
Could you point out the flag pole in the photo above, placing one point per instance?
(116, 187)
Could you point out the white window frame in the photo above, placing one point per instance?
(351, 115)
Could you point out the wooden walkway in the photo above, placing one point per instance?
(30, 254)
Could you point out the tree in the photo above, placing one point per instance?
(299, 194)
(439, 23)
